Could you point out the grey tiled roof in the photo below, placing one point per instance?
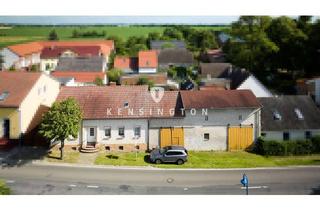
(285, 106)
(175, 56)
(93, 63)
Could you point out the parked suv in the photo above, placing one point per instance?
(169, 154)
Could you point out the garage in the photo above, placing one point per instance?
(171, 136)
(240, 137)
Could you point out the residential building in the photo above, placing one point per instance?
(50, 55)
(84, 70)
(213, 120)
(164, 44)
(23, 98)
(224, 75)
(128, 118)
(148, 61)
(25, 55)
(175, 57)
(289, 118)
(127, 64)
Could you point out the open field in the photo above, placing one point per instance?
(20, 34)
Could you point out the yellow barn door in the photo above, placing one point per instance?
(239, 138)
(171, 136)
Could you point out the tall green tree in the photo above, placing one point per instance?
(153, 36)
(119, 43)
(61, 122)
(250, 45)
(172, 33)
(313, 52)
(291, 41)
(53, 35)
(202, 40)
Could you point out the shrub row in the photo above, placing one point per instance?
(282, 148)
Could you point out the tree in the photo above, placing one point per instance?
(53, 35)
(145, 81)
(291, 41)
(114, 75)
(172, 33)
(313, 50)
(34, 68)
(75, 33)
(152, 36)
(12, 68)
(61, 122)
(98, 81)
(202, 40)
(250, 46)
(135, 44)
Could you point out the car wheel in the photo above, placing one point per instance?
(158, 161)
(180, 162)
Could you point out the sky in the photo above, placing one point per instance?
(58, 20)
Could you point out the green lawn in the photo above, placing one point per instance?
(21, 34)
(69, 156)
(210, 160)
(4, 190)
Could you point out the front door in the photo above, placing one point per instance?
(91, 135)
(6, 128)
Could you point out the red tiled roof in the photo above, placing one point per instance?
(55, 52)
(219, 99)
(35, 47)
(95, 101)
(26, 49)
(124, 62)
(79, 76)
(18, 85)
(148, 59)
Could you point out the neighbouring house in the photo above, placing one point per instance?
(148, 61)
(50, 55)
(314, 89)
(175, 57)
(21, 55)
(116, 117)
(164, 44)
(84, 70)
(213, 120)
(24, 96)
(213, 56)
(289, 118)
(130, 118)
(127, 64)
(224, 75)
(159, 79)
(28, 54)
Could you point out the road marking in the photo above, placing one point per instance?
(255, 187)
(72, 185)
(10, 181)
(92, 186)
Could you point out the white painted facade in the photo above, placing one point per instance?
(48, 65)
(12, 59)
(195, 126)
(100, 126)
(293, 134)
(253, 84)
(147, 70)
(9, 57)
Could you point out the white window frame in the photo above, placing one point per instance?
(121, 136)
(105, 128)
(134, 131)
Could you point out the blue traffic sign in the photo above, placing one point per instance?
(244, 181)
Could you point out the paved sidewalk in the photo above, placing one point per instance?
(87, 158)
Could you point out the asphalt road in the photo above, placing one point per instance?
(53, 179)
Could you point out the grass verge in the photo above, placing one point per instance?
(69, 156)
(209, 160)
(4, 189)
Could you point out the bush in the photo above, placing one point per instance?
(316, 144)
(281, 148)
(4, 190)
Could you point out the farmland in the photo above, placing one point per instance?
(21, 34)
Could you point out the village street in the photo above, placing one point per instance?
(68, 179)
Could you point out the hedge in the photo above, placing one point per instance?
(282, 148)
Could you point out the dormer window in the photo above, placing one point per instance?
(4, 95)
(298, 114)
(276, 115)
(126, 104)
